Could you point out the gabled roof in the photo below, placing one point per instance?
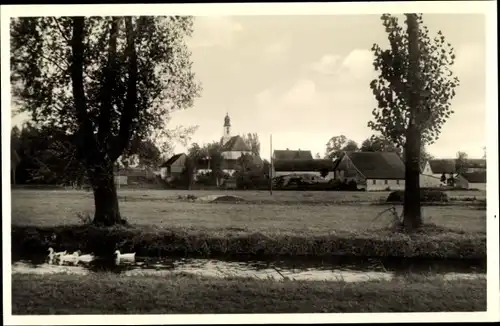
(171, 160)
(475, 163)
(440, 166)
(235, 144)
(377, 165)
(303, 165)
(475, 177)
(292, 155)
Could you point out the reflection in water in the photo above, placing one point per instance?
(217, 268)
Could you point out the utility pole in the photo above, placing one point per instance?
(271, 165)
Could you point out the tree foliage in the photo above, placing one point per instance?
(461, 162)
(338, 144)
(253, 142)
(379, 144)
(41, 61)
(209, 157)
(393, 85)
(46, 156)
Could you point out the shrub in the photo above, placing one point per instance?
(426, 195)
(352, 185)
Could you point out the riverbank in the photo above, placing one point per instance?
(187, 294)
(430, 242)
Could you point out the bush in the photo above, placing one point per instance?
(426, 195)
(205, 179)
(251, 181)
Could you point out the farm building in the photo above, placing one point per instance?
(131, 176)
(472, 180)
(434, 170)
(371, 170)
(320, 168)
(173, 167)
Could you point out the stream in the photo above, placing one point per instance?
(348, 270)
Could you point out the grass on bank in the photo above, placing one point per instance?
(187, 294)
(431, 242)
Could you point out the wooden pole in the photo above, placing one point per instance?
(271, 165)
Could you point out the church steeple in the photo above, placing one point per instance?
(227, 129)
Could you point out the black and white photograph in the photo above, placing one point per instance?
(289, 159)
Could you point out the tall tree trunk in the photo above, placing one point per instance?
(412, 208)
(412, 212)
(107, 211)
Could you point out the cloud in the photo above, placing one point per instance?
(354, 67)
(328, 64)
(276, 49)
(210, 31)
(359, 64)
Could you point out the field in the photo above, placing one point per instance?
(284, 212)
(115, 294)
(287, 223)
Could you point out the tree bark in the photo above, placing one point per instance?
(412, 215)
(412, 212)
(107, 211)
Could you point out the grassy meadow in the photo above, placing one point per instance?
(287, 223)
(187, 294)
(284, 212)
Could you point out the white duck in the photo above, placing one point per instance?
(53, 254)
(120, 256)
(85, 258)
(69, 258)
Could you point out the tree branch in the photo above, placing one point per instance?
(107, 89)
(86, 142)
(54, 19)
(130, 107)
(53, 62)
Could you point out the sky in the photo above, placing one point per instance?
(304, 79)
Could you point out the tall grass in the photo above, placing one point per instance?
(186, 294)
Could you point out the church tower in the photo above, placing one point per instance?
(227, 129)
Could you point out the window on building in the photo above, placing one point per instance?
(374, 181)
(386, 181)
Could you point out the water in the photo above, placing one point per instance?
(278, 270)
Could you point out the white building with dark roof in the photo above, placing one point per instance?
(232, 148)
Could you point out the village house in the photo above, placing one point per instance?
(300, 162)
(371, 170)
(472, 180)
(434, 170)
(173, 167)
